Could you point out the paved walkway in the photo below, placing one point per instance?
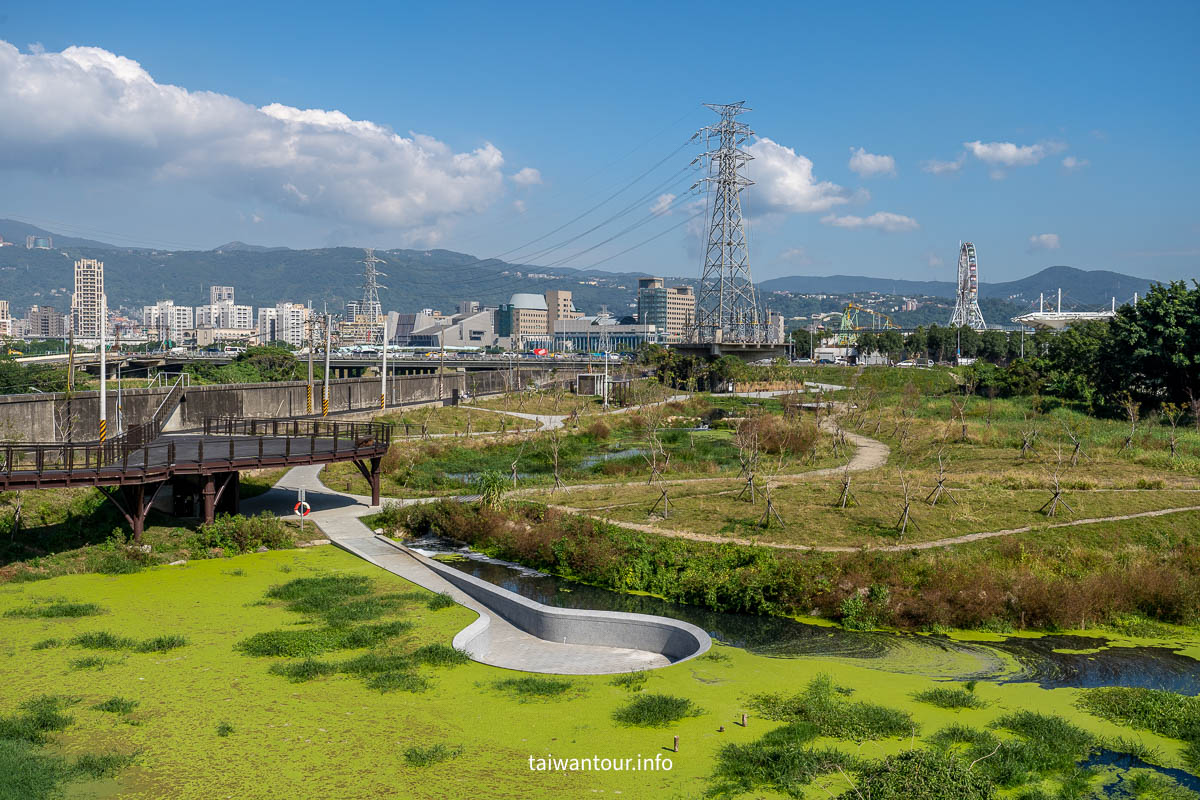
(501, 644)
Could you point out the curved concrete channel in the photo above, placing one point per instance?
(512, 631)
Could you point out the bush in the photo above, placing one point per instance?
(233, 534)
(780, 760)
(439, 655)
(224, 729)
(117, 705)
(56, 609)
(920, 775)
(950, 698)
(428, 756)
(40, 717)
(631, 681)
(820, 706)
(599, 430)
(534, 687)
(656, 711)
(439, 601)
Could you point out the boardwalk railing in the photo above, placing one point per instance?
(358, 435)
(138, 454)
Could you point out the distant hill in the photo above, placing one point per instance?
(231, 247)
(1080, 287)
(13, 231)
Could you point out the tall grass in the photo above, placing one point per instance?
(56, 610)
(315, 641)
(534, 687)
(117, 705)
(944, 697)
(823, 706)
(428, 756)
(781, 760)
(656, 711)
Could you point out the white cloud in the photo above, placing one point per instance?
(880, 220)
(1007, 154)
(933, 259)
(786, 183)
(528, 176)
(944, 167)
(519, 205)
(662, 204)
(256, 218)
(1072, 163)
(796, 255)
(88, 111)
(1043, 241)
(869, 164)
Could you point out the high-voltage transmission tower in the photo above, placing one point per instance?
(966, 307)
(726, 308)
(370, 306)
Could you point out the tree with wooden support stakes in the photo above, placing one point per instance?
(941, 488)
(1029, 434)
(1133, 413)
(745, 438)
(1173, 413)
(905, 516)
(846, 498)
(1075, 433)
(1050, 507)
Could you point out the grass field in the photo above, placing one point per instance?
(209, 720)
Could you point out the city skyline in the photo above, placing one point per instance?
(1042, 150)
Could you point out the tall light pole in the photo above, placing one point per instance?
(325, 386)
(606, 379)
(103, 372)
(383, 372)
(308, 394)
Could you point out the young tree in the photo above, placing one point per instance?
(1173, 413)
(906, 487)
(1050, 508)
(941, 488)
(1133, 413)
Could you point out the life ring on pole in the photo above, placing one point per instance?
(302, 509)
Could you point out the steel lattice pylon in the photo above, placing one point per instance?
(966, 306)
(726, 308)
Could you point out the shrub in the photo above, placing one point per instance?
(428, 756)
(103, 640)
(656, 711)
(300, 671)
(161, 644)
(224, 729)
(491, 485)
(320, 594)
(534, 687)
(117, 705)
(102, 766)
(920, 775)
(950, 698)
(631, 681)
(439, 655)
(56, 609)
(599, 430)
(779, 760)
(820, 706)
(40, 717)
(315, 641)
(233, 533)
(439, 601)
(398, 682)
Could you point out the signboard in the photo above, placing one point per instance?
(541, 351)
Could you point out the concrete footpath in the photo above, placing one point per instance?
(491, 639)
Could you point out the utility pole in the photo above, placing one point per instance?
(441, 364)
(309, 389)
(70, 381)
(325, 387)
(383, 372)
(103, 372)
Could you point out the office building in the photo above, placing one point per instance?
(595, 334)
(559, 306)
(467, 330)
(39, 243)
(670, 309)
(87, 303)
(6, 322)
(524, 320)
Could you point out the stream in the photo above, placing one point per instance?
(1052, 661)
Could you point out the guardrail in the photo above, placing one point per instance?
(362, 434)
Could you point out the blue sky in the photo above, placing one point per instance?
(1047, 133)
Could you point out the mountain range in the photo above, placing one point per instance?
(418, 279)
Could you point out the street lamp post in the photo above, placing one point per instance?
(606, 379)
(325, 386)
(103, 374)
(383, 373)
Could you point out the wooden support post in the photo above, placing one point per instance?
(209, 493)
(136, 497)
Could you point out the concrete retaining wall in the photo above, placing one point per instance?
(676, 640)
(44, 417)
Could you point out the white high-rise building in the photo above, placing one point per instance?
(167, 320)
(224, 315)
(220, 294)
(88, 300)
(286, 322)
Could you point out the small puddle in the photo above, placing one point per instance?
(600, 458)
(1126, 761)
